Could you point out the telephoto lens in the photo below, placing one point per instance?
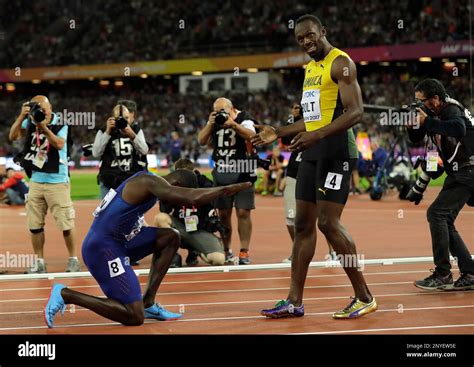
(416, 192)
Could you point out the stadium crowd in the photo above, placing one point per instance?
(60, 32)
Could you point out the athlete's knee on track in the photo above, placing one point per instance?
(136, 317)
(214, 258)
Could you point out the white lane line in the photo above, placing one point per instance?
(231, 318)
(220, 280)
(387, 329)
(229, 268)
(269, 301)
(255, 289)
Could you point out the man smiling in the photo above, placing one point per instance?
(332, 104)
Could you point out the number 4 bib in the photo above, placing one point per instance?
(333, 181)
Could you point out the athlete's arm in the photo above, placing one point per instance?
(192, 197)
(345, 74)
(269, 134)
(140, 190)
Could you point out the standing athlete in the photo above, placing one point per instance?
(118, 236)
(332, 104)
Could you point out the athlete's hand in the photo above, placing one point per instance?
(267, 135)
(304, 140)
(235, 188)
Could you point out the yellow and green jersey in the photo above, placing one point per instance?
(321, 104)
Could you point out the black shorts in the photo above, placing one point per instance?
(244, 199)
(326, 180)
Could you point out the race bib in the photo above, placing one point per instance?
(311, 105)
(115, 267)
(333, 181)
(105, 202)
(191, 223)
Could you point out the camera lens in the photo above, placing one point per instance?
(37, 115)
(121, 122)
(221, 117)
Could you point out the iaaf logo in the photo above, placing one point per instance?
(37, 350)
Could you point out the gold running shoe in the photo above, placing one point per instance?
(356, 309)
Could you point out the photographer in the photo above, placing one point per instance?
(450, 130)
(45, 160)
(196, 225)
(275, 172)
(121, 147)
(228, 130)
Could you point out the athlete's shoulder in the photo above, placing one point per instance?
(343, 68)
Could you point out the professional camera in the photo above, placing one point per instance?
(36, 114)
(414, 105)
(214, 224)
(415, 194)
(221, 117)
(120, 121)
(87, 150)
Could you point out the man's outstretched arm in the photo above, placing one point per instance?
(135, 192)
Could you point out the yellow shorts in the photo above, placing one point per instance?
(56, 197)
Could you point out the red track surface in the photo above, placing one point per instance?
(230, 302)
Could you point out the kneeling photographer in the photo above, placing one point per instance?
(196, 225)
(228, 131)
(450, 130)
(121, 147)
